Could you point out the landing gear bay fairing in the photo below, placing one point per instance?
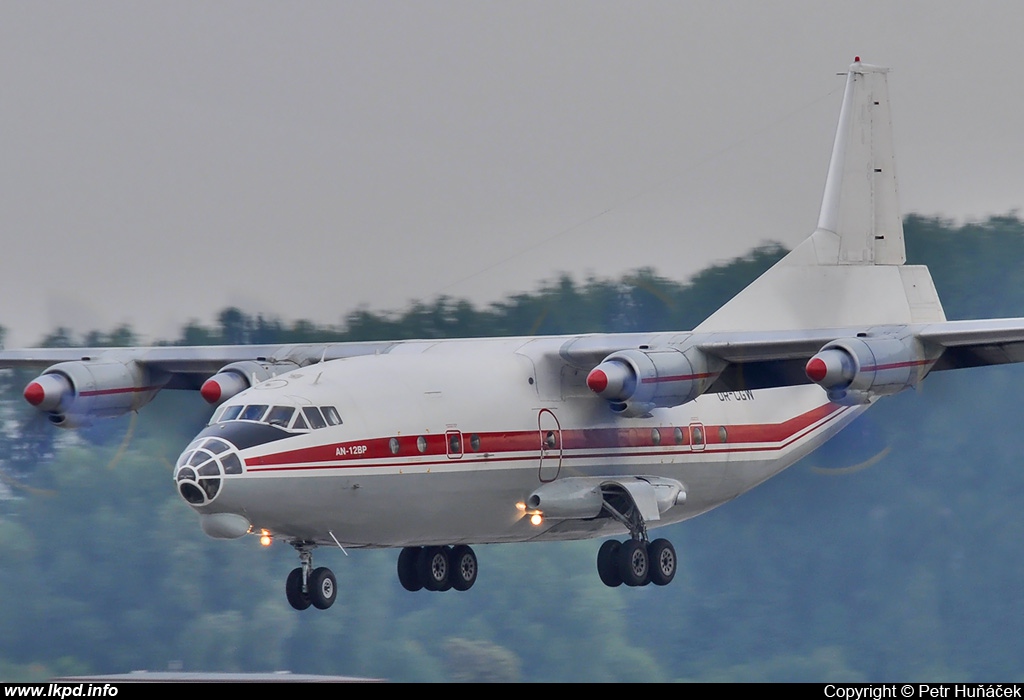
(432, 446)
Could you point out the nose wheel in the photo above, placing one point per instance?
(307, 586)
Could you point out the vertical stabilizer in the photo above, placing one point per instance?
(850, 271)
(860, 208)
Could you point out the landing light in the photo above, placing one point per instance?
(536, 519)
(265, 538)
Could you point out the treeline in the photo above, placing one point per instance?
(641, 300)
(894, 554)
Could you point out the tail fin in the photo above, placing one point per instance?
(850, 271)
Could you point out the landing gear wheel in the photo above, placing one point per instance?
(407, 575)
(607, 566)
(323, 588)
(634, 567)
(662, 557)
(432, 566)
(463, 567)
(293, 589)
(451, 575)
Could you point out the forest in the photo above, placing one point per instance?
(896, 553)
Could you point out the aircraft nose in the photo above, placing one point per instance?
(202, 467)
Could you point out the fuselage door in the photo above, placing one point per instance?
(550, 445)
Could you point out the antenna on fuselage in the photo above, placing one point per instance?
(331, 533)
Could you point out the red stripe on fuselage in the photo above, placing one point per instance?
(575, 443)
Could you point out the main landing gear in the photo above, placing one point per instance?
(432, 568)
(308, 586)
(636, 561)
(437, 568)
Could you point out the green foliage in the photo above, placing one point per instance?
(910, 568)
(480, 662)
(639, 301)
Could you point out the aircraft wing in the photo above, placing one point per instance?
(976, 343)
(188, 366)
(772, 359)
(663, 369)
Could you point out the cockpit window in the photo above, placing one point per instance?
(280, 416)
(254, 412)
(285, 417)
(313, 415)
(331, 414)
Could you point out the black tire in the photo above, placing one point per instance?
(662, 557)
(463, 567)
(432, 566)
(323, 588)
(293, 589)
(607, 563)
(634, 567)
(407, 574)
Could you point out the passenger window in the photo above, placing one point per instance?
(332, 416)
(313, 416)
(280, 416)
(253, 412)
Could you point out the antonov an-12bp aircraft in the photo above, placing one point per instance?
(432, 446)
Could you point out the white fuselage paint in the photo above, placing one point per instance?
(520, 419)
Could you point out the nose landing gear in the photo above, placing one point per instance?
(307, 586)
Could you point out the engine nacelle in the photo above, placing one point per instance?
(583, 497)
(855, 370)
(76, 393)
(635, 381)
(235, 378)
(568, 499)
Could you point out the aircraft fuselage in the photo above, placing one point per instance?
(443, 443)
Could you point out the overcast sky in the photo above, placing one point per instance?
(163, 160)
